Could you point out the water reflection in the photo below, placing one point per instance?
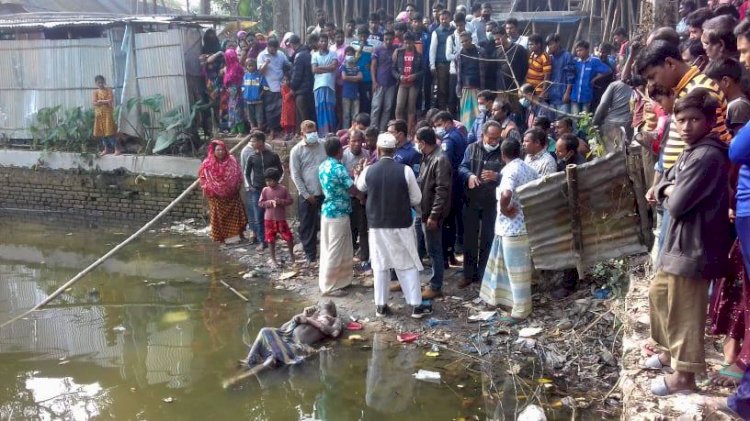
(390, 384)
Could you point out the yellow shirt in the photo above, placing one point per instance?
(694, 79)
(540, 67)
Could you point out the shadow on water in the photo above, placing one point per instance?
(152, 333)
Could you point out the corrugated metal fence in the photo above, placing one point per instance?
(46, 73)
(609, 222)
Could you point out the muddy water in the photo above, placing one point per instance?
(152, 333)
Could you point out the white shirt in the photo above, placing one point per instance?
(275, 70)
(543, 162)
(514, 175)
(324, 80)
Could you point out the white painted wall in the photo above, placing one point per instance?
(170, 166)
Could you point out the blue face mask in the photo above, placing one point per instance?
(525, 102)
(311, 138)
(440, 131)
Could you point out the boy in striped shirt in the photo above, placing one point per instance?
(540, 66)
(661, 64)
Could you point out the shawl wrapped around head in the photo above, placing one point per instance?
(219, 178)
(234, 73)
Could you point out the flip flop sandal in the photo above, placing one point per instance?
(335, 293)
(730, 374)
(653, 363)
(507, 320)
(659, 388)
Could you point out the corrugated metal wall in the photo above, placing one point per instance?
(45, 73)
(160, 68)
(609, 221)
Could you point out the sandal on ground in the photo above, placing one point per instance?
(653, 363)
(651, 349)
(731, 378)
(659, 388)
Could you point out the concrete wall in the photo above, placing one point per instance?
(122, 187)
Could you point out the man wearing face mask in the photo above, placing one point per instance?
(478, 26)
(454, 147)
(480, 175)
(304, 161)
(484, 104)
(567, 153)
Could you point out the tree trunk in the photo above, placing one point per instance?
(205, 7)
(281, 16)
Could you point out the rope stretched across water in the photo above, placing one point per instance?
(115, 249)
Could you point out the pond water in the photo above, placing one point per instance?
(152, 333)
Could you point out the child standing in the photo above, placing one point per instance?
(253, 85)
(352, 77)
(589, 70)
(288, 110)
(104, 121)
(694, 192)
(727, 73)
(274, 199)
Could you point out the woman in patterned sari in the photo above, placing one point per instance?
(220, 178)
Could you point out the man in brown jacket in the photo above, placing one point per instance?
(435, 179)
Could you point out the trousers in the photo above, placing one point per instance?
(309, 225)
(479, 231)
(409, 280)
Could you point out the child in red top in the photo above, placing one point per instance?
(288, 110)
(274, 198)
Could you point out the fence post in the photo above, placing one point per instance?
(571, 178)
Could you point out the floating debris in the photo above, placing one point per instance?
(428, 376)
(288, 275)
(407, 337)
(168, 399)
(532, 413)
(431, 354)
(175, 317)
(483, 316)
(119, 329)
(354, 326)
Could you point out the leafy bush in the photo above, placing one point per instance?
(55, 128)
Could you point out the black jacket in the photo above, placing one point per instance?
(477, 159)
(257, 164)
(416, 68)
(696, 244)
(302, 80)
(435, 181)
(518, 57)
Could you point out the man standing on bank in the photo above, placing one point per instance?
(392, 191)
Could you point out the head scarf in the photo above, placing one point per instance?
(219, 178)
(241, 34)
(210, 43)
(233, 73)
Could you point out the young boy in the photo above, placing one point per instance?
(694, 192)
(727, 73)
(253, 85)
(352, 76)
(589, 70)
(274, 199)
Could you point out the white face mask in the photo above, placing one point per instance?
(490, 148)
(350, 59)
(482, 108)
(311, 138)
(440, 131)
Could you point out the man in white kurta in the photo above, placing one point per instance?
(392, 191)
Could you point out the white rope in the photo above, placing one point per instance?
(115, 249)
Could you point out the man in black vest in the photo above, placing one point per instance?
(392, 191)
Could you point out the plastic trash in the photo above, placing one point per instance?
(532, 413)
(427, 376)
(354, 326)
(528, 332)
(483, 316)
(407, 337)
(433, 322)
(602, 293)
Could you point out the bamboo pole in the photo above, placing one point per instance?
(118, 247)
(571, 178)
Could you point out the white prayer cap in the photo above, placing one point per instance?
(386, 141)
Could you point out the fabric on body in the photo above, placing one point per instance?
(336, 252)
(508, 276)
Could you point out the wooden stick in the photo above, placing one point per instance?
(118, 247)
(571, 177)
(237, 293)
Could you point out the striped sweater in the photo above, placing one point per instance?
(540, 67)
(695, 79)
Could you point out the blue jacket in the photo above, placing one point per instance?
(563, 74)
(454, 146)
(583, 89)
(408, 155)
(252, 86)
(739, 154)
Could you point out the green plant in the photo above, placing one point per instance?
(55, 128)
(592, 134)
(177, 127)
(147, 109)
(613, 274)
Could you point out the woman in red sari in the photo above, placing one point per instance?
(220, 177)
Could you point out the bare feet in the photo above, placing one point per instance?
(731, 350)
(273, 263)
(104, 152)
(118, 152)
(650, 349)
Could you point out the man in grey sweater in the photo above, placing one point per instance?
(304, 160)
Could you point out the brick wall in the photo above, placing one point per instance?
(117, 194)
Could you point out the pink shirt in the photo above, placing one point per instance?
(281, 195)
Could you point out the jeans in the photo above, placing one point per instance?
(434, 242)
(309, 225)
(255, 214)
(350, 108)
(442, 80)
(479, 231)
(452, 95)
(359, 229)
(382, 106)
(453, 228)
(254, 115)
(742, 225)
(365, 97)
(665, 219)
(421, 248)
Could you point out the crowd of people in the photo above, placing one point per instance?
(415, 134)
